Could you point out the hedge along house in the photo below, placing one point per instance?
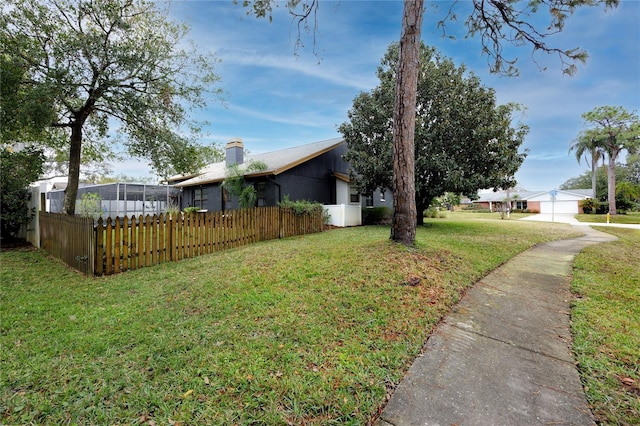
(314, 172)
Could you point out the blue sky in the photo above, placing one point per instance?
(275, 99)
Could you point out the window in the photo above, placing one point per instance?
(261, 193)
(521, 205)
(200, 198)
(368, 200)
(354, 195)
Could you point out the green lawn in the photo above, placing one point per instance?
(629, 218)
(309, 330)
(606, 326)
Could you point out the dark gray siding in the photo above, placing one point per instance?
(312, 180)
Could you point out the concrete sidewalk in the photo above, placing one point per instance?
(503, 355)
(570, 219)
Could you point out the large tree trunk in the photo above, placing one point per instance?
(611, 180)
(403, 228)
(71, 192)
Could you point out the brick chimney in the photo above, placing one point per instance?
(234, 152)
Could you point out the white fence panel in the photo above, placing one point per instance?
(344, 215)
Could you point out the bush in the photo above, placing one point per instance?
(602, 208)
(376, 216)
(19, 169)
(590, 206)
(435, 213)
(477, 208)
(301, 207)
(172, 209)
(90, 205)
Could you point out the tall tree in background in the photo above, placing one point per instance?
(97, 62)
(464, 140)
(615, 130)
(593, 151)
(494, 21)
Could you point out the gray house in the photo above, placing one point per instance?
(314, 172)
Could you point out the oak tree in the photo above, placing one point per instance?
(110, 66)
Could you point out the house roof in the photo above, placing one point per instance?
(277, 162)
(527, 195)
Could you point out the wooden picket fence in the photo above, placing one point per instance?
(70, 239)
(122, 244)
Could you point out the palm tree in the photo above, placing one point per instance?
(591, 149)
(615, 130)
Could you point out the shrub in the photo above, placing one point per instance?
(172, 209)
(190, 210)
(90, 205)
(376, 215)
(19, 169)
(477, 208)
(301, 207)
(590, 205)
(435, 213)
(602, 208)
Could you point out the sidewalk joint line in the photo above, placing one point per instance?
(511, 344)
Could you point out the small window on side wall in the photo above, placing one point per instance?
(368, 200)
(354, 195)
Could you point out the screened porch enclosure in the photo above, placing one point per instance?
(122, 199)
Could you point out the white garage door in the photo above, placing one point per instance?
(567, 207)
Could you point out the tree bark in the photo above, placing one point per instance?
(403, 228)
(75, 150)
(594, 180)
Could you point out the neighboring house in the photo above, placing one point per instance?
(314, 172)
(563, 201)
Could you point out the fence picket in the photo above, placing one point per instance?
(116, 246)
(99, 268)
(108, 242)
(154, 239)
(133, 252)
(125, 245)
